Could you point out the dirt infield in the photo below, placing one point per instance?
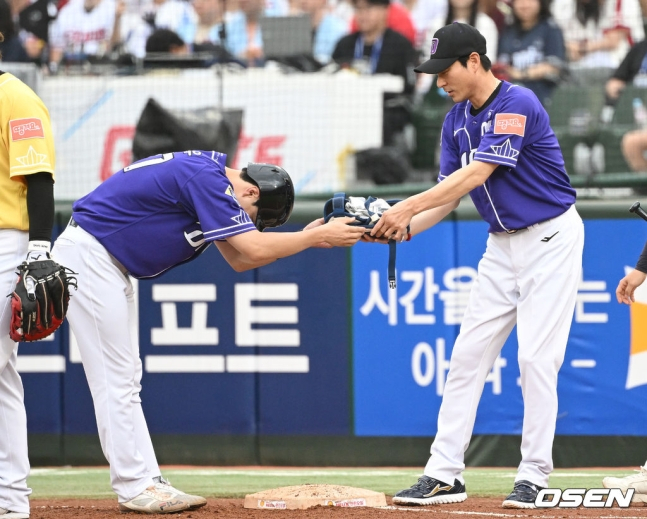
(473, 508)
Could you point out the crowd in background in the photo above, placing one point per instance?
(536, 43)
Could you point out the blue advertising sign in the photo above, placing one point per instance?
(403, 338)
(260, 352)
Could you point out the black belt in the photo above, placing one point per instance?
(73, 222)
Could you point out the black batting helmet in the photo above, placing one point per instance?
(276, 194)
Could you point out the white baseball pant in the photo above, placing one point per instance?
(103, 318)
(14, 463)
(526, 280)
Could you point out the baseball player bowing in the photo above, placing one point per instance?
(27, 161)
(147, 218)
(497, 145)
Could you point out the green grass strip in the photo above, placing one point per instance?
(233, 482)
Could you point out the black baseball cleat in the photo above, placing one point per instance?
(523, 495)
(430, 491)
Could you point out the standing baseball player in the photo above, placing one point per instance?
(149, 217)
(497, 146)
(625, 294)
(26, 219)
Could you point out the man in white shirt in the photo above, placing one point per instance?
(85, 28)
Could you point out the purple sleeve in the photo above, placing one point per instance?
(510, 127)
(212, 198)
(450, 159)
(642, 261)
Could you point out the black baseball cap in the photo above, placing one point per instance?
(450, 43)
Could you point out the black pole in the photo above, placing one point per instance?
(635, 208)
(222, 33)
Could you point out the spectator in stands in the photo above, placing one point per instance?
(634, 147)
(422, 13)
(204, 30)
(633, 69)
(167, 41)
(343, 9)
(11, 48)
(244, 38)
(398, 19)
(85, 30)
(465, 11)
(499, 10)
(598, 33)
(139, 22)
(327, 29)
(33, 19)
(377, 49)
(531, 49)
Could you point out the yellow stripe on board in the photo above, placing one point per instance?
(638, 328)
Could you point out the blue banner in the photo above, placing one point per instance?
(403, 338)
(260, 352)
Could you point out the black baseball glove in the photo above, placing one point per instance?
(40, 299)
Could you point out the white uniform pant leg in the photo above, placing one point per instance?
(549, 277)
(142, 436)
(100, 315)
(488, 320)
(14, 463)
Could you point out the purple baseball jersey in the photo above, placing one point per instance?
(530, 184)
(163, 211)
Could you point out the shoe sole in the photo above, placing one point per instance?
(125, 510)
(517, 504)
(437, 500)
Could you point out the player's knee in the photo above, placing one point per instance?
(543, 366)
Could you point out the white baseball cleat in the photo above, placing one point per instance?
(154, 501)
(7, 514)
(637, 481)
(163, 485)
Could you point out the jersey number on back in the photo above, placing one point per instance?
(149, 162)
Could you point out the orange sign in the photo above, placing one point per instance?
(514, 124)
(31, 128)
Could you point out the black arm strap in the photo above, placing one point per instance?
(40, 206)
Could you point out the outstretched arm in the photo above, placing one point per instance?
(393, 223)
(255, 249)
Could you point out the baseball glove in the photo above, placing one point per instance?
(39, 301)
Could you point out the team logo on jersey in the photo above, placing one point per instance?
(434, 45)
(33, 158)
(230, 191)
(514, 124)
(31, 128)
(241, 218)
(505, 150)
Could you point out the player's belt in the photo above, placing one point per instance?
(534, 225)
(73, 222)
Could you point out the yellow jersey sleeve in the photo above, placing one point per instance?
(26, 147)
(30, 140)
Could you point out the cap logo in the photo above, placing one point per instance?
(434, 45)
